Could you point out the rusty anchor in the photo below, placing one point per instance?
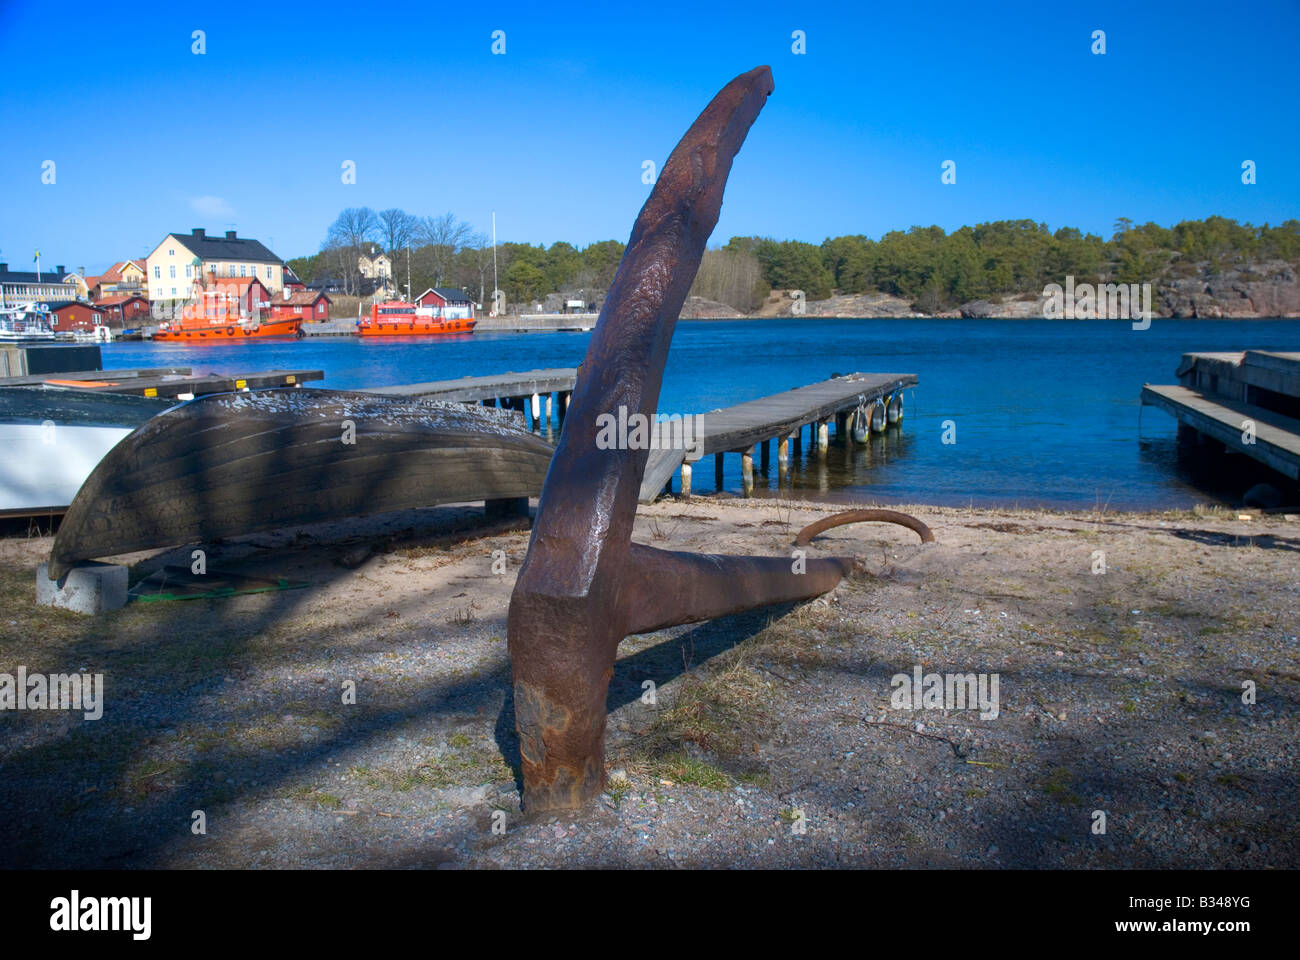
(584, 585)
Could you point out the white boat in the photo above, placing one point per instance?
(96, 334)
(28, 322)
(52, 439)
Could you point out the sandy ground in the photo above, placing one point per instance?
(770, 740)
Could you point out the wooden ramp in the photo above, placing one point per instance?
(468, 389)
(33, 380)
(1277, 437)
(781, 416)
(179, 386)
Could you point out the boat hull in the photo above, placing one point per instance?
(233, 331)
(232, 464)
(416, 328)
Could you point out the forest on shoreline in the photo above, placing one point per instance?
(933, 269)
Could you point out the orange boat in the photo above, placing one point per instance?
(215, 315)
(397, 319)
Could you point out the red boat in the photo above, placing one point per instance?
(215, 315)
(398, 319)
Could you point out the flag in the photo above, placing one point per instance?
(37, 257)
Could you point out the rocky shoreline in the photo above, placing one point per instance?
(1267, 289)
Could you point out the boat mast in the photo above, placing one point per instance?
(494, 263)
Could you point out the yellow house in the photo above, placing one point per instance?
(375, 265)
(175, 264)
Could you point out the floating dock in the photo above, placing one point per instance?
(750, 427)
(1247, 402)
(541, 395)
(174, 382)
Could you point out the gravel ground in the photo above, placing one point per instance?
(770, 741)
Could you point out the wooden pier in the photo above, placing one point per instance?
(1249, 402)
(750, 428)
(542, 396)
(539, 323)
(173, 382)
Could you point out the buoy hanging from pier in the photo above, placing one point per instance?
(894, 408)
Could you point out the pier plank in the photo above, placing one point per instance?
(31, 380)
(466, 389)
(175, 386)
(740, 428)
(737, 428)
(1277, 437)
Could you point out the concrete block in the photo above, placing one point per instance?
(89, 588)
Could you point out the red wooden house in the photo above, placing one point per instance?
(121, 308)
(68, 315)
(447, 302)
(252, 293)
(313, 305)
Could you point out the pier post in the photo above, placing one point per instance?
(747, 471)
(686, 480)
(823, 439)
(549, 419)
(537, 411)
(766, 456)
(717, 469)
(798, 442)
(841, 424)
(782, 458)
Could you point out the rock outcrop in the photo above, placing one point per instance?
(699, 308)
(1268, 289)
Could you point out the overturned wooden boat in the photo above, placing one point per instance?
(231, 464)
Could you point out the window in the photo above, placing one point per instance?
(268, 273)
(212, 269)
(157, 292)
(187, 271)
(173, 291)
(242, 269)
(171, 253)
(230, 270)
(172, 270)
(157, 273)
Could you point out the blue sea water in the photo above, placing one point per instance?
(1046, 412)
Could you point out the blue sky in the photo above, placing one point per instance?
(552, 135)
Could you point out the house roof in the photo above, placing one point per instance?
(92, 282)
(302, 298)
(239, 283)
(225, 248)
(449, 294)
(56, 305)
(116, 299)
(29, 276)
(114, 273)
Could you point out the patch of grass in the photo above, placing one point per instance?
(1059, 785)
(683, 768)
(454, 769)
(310, 794)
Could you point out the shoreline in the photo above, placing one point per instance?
(1119, 691)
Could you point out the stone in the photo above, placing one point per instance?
(88, 588)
